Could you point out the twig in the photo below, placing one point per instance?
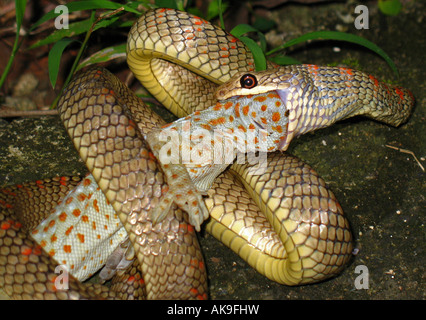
(408, 152)
(7, 112)
(27, 113)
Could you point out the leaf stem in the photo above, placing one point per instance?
(20, 10)
(82, 48)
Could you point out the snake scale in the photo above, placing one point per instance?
(282, 220)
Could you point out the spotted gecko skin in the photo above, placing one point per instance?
(26, 270)
(275, 107)
(210, 140)
(82, 232)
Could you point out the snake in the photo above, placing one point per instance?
(281, 217)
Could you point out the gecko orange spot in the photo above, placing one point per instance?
(43, 243)
(228, 105)
(67, 233)
(80, 237)
(276, 117)
(94, 225)
(242, 128)
(52, 252)
(206, 126)
(215, 122)
(246, 110)
(85, 218)
(218, 106)
(53, 238)
(63, 216)
(76, 212)
(69, 200)
(67, 248)
(263, 107)
(81, 197)
(86, 182)
(260, 98)
(273, 95)
(237, 110)
(95, 205)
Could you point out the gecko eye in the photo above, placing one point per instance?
(248, 81)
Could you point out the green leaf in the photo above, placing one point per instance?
(20, 11)
(390, 7)
(85, 5)
(104, 55)
(214, 9)
(75, 28)
(340, 36)
(221, 11)
(54, 59)
(241, 29)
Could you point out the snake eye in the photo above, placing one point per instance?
(248, 81)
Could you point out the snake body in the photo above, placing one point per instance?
(282, 220)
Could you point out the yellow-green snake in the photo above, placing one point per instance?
(282, 220)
